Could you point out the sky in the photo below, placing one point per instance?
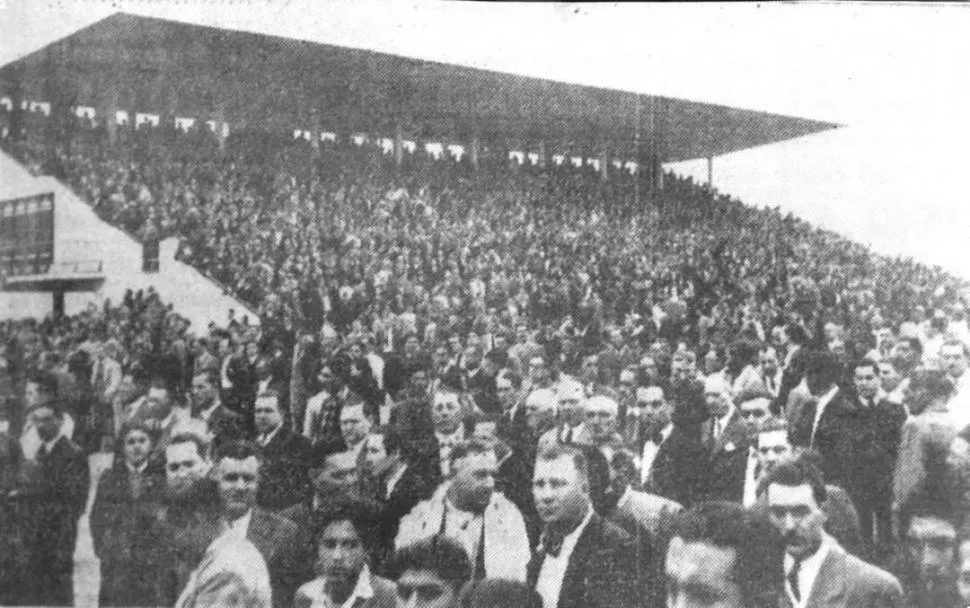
(895, 76)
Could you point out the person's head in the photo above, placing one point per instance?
(717, 396)
(507, 385)
(474, 466)
(865, 376)
(930, 540)
(345, 540)
(773, 445)
(796, 497)
(186, 463)
(472, 358)
(722, 556)
(571, 398)
(268, 416)
(953, 357)
(779, 337)
(500, 593)
(540, 410)
(41, 388)
(135, 443)
(336, 474)
(927, 388)
(329, 380)
(650, 368)
(755, 412)
(354, 425)
(446, 412)
(822, 371)
(623, 470)
(656, 411)
(429, 573)
(890, 374)
(628, 384)
(769, 359)
(601, 413)
(537, 370)
(205, 390)
(382, 450)
(560, 484)
(590, 369)
(441, 356)
(713, 361)
(908, 349)
(237, 465)
(47, 418)
(683, 365)
(412, 345)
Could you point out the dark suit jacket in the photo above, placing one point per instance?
(58, 494)
(845, 580)
(674, 473)
(225, 425)
(411, 489)
(127, 538)
(727, 462)
(285, 476)
(601, 572)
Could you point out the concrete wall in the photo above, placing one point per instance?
(80, 235)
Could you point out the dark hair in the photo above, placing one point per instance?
(470, 447)
(129, 427)
(363, 515)
(823, 363)
(47, 384)
(927, 507)
(759, 552)
(438, 554)
(201, 447)
(799, 471)
(933, 383)
(392, 438)
(239, 450)
(915, 343)
(499, 593)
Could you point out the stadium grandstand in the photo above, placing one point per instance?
(299, 233)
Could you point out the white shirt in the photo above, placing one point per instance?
(823, 402)
(265, 439)
(553, 571)
(750, 478)
(236, 529)
(316, 591)
(808, 572)
(393, 480)
(650, 450)
(445, 445)
(206, 414)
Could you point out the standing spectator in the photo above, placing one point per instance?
(285, 457)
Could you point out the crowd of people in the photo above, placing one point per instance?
(522, 386)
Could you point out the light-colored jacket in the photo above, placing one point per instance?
(232, 574)
(507, 550)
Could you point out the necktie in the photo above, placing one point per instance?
(479, 569)
(42, 453)
(552, 544)
(793, 579)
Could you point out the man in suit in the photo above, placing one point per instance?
(669, 451)
(224, 424)
(583, 560)
(468, 509)
(344, 539)
(238, 473)
(818, 571)
(285, 455)
(58, 494)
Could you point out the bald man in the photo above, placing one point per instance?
(601, 423)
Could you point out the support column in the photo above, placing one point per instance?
(58, 304)
(106, 112)
(658, 171)
(710, 171)
(221, 124)
(543, 154)
(604, 160)
(398, 144)
(474, 150)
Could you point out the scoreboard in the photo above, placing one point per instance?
(26, 235)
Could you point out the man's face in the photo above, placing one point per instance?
(338, 475)
(238, 482)
(539, 417)
(682, 366)
(656, 410)
(473, 480)
(158, 396)
(375, 455)
(412, 346)
(203, 393)
(32, 395)
(424, 589)
(137, 447)
(558, 491)
(769, 360)
(184, 466)
(537, 370)
(600, 419)
(48, 423)
(889, 376)
(354, 426)
(904, 350)
(797, 517)
(866, 381)
(590, 369)
(817, 382)
(454, 343)
(931, 548)
(446, 413)
(649, 367)
(953, 359)
(712, 363)
(268, 416)
(506, 393)
(755, 413)
(773, 447)
(701, 575)
(627, 386)
(340, 553)
(717, 403)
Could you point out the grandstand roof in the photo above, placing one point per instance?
(261, 81)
